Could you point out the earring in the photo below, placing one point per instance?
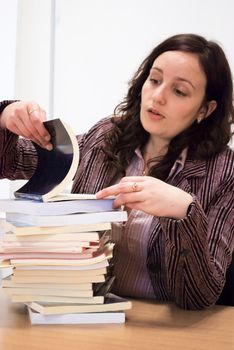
(199, 119)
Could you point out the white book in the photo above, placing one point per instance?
(72, 219)
(5, 272)
(76, 318)
(85, 203)
(83, 231)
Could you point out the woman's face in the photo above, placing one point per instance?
(172, 95)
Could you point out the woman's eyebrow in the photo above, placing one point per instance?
(177, 78)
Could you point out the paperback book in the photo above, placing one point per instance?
(19, 229)
(111, 303)
(56, 168)
(59, 248)
(71, 219)
(37, 318)
(83, 204)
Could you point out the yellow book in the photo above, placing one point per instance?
(111, 303)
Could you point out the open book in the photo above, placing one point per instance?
(55, 169)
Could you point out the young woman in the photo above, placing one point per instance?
(165, 156)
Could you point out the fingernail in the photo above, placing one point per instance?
(47, 138)
(49, 147)
(98, 194)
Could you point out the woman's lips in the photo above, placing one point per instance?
(154, 114)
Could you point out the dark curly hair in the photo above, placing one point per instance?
(203, 140)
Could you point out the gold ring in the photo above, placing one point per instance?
(134, 187)
(33, 110)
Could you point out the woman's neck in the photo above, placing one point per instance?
(154, 149)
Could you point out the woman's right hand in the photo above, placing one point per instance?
(26, 119)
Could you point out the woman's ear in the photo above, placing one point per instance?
(211, 106)
(206, 110)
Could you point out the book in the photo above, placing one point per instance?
(19, 298)
(46, 291)
(76, 318)
(52, 272)
(56, 168)
(8, 249)
(47, 245)
(111, 303)
(57, 208)
(8, 283)
(71, 219)
(85, 268)
(5, 272)
(90, 229)
(59, 279)
(103, 255)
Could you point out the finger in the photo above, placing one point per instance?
(38, 116)
(135, 205)
(127, 199)
(133, 178)
(40, 133)
(121, 187)
(23, 126)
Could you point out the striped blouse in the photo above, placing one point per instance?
(186, 259)
(131, 240)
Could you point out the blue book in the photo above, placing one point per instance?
(56, 168)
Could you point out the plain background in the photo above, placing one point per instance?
(75, 57)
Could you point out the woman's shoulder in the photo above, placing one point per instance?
(218, 167)
(224, 157)
(223, 163)
(95, 136)
(102, 126)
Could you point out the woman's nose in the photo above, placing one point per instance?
(159, 94)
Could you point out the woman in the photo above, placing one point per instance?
(165, 157)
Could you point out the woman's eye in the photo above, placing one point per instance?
(179, 92)
(155, 81)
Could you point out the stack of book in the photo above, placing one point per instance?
(60, 253)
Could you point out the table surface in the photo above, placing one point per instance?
(149, 325)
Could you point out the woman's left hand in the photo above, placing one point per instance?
(153, 196)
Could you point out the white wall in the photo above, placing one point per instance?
(33, 64)
(99, 44)
(8, 20)
(75, 57)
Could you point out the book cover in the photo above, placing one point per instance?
(22, 229)
(76, 318)
(100, 256)
(34, 287)
(59, 279)
(59, 272)
(54, 291)
(56, 168)
(111, 303)
(81, 205)
(27, 298)
(98, 266)
(5, 272)
(71, 219)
